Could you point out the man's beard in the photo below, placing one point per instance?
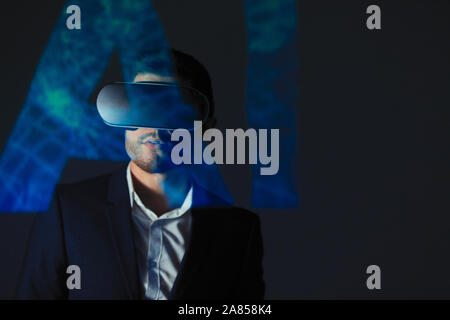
(159, 163)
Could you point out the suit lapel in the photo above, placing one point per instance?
(118, 216)
(201, 241)
(194, 256)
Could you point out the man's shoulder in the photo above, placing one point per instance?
(91, 188)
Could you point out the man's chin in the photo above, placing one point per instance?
(154, 166)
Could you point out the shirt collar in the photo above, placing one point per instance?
(135, 200)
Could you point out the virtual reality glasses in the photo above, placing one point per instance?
(151, 105)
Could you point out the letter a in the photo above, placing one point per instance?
(74, 280)
(374, 280)
(374, 20)
(73, 21)
(181, 152)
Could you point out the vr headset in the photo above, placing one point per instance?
(154, 105)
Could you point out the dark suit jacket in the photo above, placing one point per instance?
(89, 224)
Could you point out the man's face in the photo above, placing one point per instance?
(149, 148)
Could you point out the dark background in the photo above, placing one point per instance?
(373, 139)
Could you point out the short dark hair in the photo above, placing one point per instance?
(187, 71)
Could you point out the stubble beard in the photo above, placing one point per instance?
(154, 164)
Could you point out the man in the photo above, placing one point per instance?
(146, 231)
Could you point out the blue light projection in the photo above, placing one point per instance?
(57, 122)
(272, 72)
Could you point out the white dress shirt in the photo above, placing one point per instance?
(160, 242)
